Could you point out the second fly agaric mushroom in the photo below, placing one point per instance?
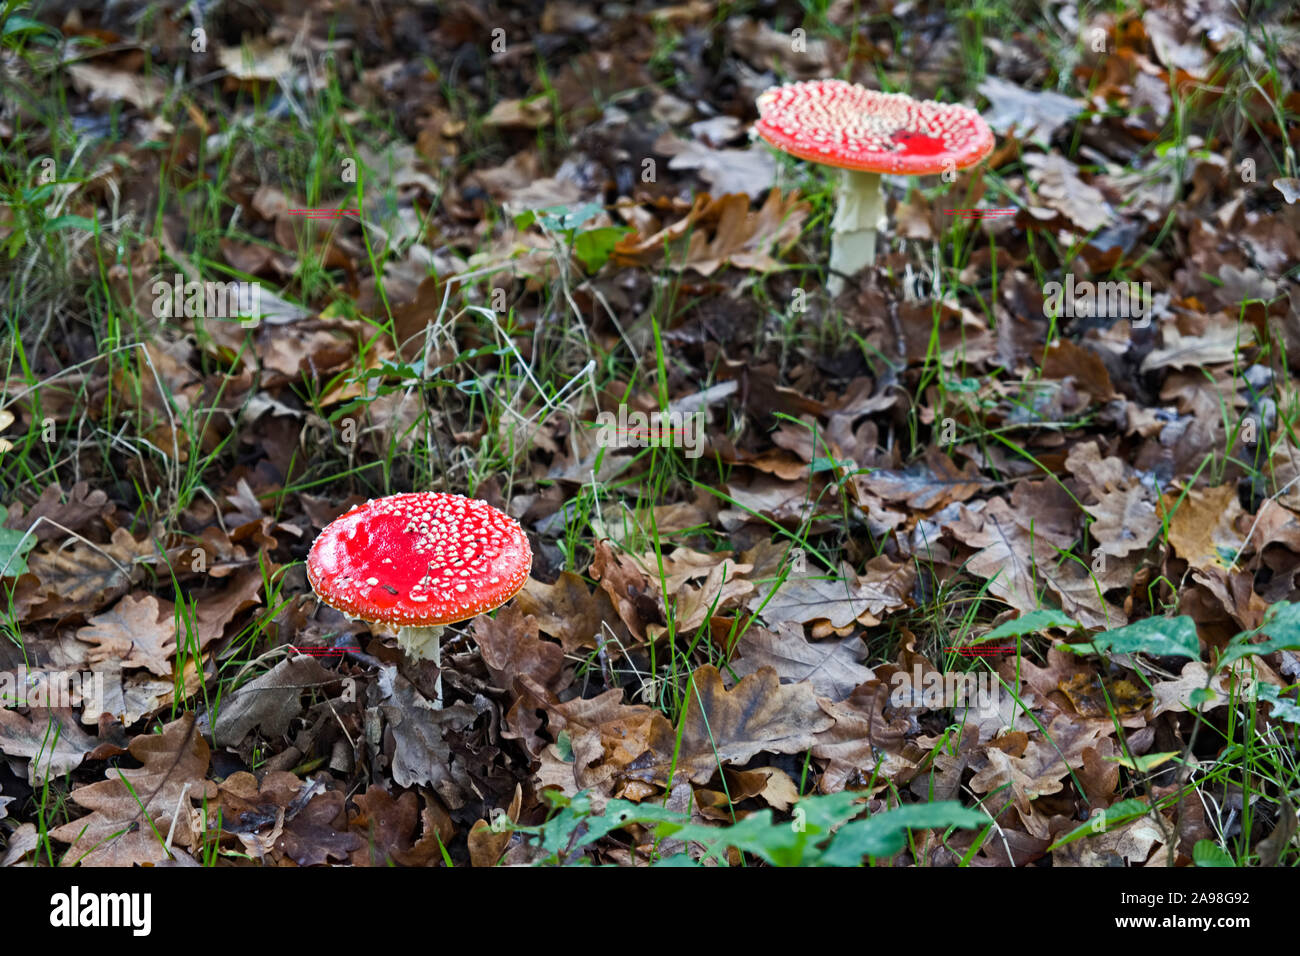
(866, 133)
(419, 562)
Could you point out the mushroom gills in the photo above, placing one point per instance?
(860, 212)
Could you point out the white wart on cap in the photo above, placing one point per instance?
(419, 560)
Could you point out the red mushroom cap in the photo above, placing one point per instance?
(419, 560)
(846, 125)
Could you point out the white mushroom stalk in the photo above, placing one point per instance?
(866, 133)
(859, 215)
(425, 644)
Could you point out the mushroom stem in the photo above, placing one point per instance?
(425, 644)
(858, 214)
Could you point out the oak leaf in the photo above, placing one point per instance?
(758, 715)
(133, 633)
(840, 599)
(50, 740)
(861, 741)
(510, 645)
(132, 807)
(832, 666)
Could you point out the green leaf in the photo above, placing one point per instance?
(402, 371)
(1158, 636)
(1030, 623)
(677, 859)
(1209, 853)
(821, 814)
(594, 246)
(1201, 696)
(620, 813)
(70, 222)
(13, 552)
(1116, 815)
(1284, 708)
(20, 24)
(1146, 762)
(820, 464)
(575, 826)
(779, 844)
(17, 241)
(1282, 622)
(564, 744)
(884, 834)
(559, 218)
(794, 843)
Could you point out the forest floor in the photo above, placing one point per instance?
(961, 559)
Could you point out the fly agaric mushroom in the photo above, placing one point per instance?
(866, 133)
(420, 562)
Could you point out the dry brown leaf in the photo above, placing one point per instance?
(128, 697)
(1175, 695)
(511, 646)
(1094, 472)
(1128, 845)
(623, 580)
(255, 811)
(719, 232)
(567, 610)
(1060, 188)
(1028, 115)
(136, 632)
(1040, 770)
(861, 742)
(388, 828)
(422, 754)
(49, 740)
(607, 735)
(925, 485)
(319, 832)
(786, 502)
(255, 60)
(722, 590)
(82, 578)
(842, 599)
(770, 784)
(80, 509)
(520, 114)
(485, 844)
(21, 842)
(1076, 586)
(1203, 529)
(1219, 344)
(132, 806)
(269, 702)
(833, 666)
(102, 85)
(1094, 697)
(722, 727)
(1099, 775)
(749, 171)
(1124, 520)
(213, 612)
(1018, 544)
